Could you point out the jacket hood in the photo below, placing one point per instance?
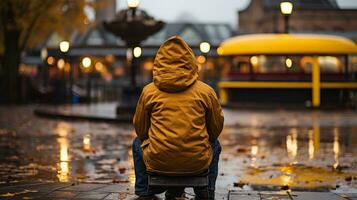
(175, 66)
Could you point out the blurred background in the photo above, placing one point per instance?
(61, 51)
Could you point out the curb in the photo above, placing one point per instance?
(47, 113)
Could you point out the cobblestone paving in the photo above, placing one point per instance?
(91, 191)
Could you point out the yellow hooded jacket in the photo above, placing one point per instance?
(177, 115)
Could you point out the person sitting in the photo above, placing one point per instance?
(177, 121)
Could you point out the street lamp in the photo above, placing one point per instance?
(44, 54)
(286, 9)
(86, 63)
(64, 48)
(137, 52)
(51, 60)
(205, 47)
(133, 26)
(133, 3)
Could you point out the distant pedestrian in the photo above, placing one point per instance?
(177, 120)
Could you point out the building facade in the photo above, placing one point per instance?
(321, 16)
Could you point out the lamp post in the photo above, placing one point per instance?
(133, 26)
(136, 53)
(64, 48)
(44, 54)
(133, 4)
(286, 8)
(205, 47)
(86, 63)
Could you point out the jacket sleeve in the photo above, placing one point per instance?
(214, 117)
(141, 118)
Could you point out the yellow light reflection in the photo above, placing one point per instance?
(63, 173)
(286, 179)
(311, 145)
(86, 142)
(63, 129)
(131, 177)
(336, 147)
(254, 152)
(292, 144)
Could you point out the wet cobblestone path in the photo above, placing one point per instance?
(262, 150)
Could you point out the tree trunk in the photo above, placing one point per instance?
(11, 61)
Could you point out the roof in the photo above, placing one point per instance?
(193, 33)
(305, 44)
(304, 4)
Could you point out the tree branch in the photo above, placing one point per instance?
(28, 32)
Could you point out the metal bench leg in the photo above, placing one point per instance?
(203, 193)
(174, 192)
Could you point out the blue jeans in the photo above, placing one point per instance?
(141, 176)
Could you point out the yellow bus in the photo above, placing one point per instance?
(309, 68)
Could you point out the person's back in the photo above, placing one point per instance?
(177, 117)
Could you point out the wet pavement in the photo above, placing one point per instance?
(262, 150)
(91, 191)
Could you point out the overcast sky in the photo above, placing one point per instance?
(223, 11)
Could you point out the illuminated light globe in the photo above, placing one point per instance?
(133, 3)
(288, 62)
(137, 52)
(64, 46)
(60, 64)
(254, 60)
(86, 62)
(99, 66)
(205, 47)
(286, 7)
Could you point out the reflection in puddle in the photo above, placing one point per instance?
(86, 142)
(254, 153)
(311, 145)
(292, 144)
(63, 173)
(286, 177)
(336, 147)
(131, 176)
(295, 176)
(303, 159)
